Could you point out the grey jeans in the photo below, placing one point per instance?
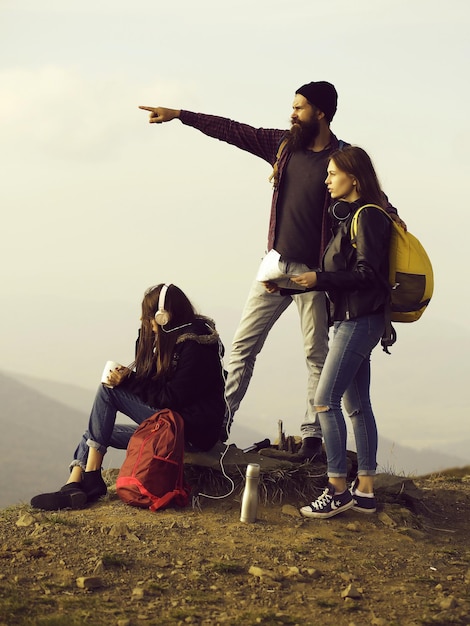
(261, 311)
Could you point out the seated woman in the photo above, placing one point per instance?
(178, 366)
(355, 276)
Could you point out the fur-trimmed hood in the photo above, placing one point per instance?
(202, 331)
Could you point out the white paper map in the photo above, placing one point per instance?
(269, 268)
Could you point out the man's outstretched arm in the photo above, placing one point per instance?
(261, 142)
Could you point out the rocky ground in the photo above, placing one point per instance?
(112, 564)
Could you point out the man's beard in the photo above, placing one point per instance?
(302, 135)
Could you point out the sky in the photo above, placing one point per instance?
(97, 204)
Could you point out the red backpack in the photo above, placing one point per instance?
(152, 473)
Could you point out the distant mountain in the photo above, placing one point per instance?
(42, 421)
(399, 459)
(39, 436)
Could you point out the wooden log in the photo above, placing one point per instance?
(291, 445)
(282, 438)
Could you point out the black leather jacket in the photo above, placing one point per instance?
(356, 278)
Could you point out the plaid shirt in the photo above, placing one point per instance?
(263, 143)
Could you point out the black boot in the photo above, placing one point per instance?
(93, 485)
(310, 450)
(70, 496)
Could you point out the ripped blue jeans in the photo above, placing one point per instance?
(346, 377)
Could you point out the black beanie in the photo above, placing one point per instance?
(321, 94)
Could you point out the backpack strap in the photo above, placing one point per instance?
(274, 178)
(356, 217)
(390, 336)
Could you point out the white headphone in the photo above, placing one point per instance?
(162, 317)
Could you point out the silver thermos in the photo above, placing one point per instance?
(250, 494)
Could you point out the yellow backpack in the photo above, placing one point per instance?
(410, 272)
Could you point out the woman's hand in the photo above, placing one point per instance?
(307, 280)
(117, 375)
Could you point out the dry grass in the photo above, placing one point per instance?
(276, 486)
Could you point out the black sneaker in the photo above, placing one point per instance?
(363, 504)
(328, 504)
(69, 497)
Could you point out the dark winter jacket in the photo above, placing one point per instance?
(194, 386)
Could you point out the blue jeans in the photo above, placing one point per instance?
(346, 375)
(262, 310)
(102, 430)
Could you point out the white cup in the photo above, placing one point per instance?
(108, 368)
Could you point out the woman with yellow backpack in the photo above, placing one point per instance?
(355, 278)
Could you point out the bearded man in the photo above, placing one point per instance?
(299, 229)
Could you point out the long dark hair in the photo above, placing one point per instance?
(356, 162)
(155, 350)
